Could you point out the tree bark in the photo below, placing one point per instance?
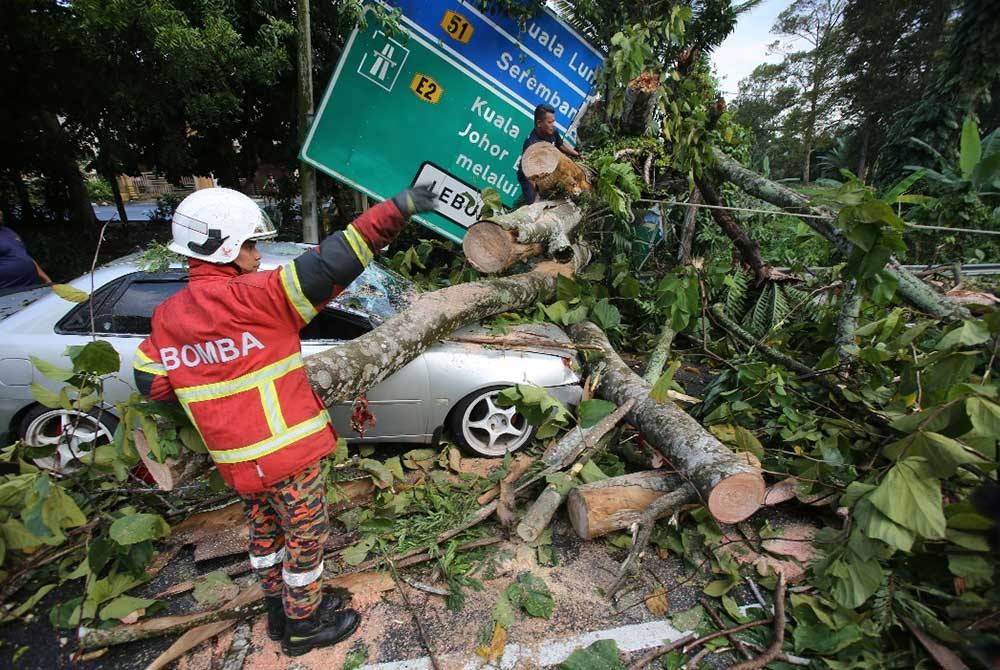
(911, 289)
(730, 487)
(847, 321)
(749, 249)
(608, 505)
(343, 372)
(688, 228)
(552, 172)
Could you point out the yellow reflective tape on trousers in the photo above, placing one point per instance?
(247, 382)
(144, 363)
(293, 289)
(359, 245)
(272, 408)
(272, 444)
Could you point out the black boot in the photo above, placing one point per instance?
(276, 619)
(323, 628)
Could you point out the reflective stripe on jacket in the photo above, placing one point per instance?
(227, 348)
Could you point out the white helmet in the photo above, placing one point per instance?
(213, 223)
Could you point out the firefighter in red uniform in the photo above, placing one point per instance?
(227, 348)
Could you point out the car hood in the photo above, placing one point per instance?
(544, 338)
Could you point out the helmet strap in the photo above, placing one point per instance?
(211, 243)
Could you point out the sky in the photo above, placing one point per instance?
(746, 47)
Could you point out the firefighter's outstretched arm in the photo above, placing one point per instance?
(342, 256)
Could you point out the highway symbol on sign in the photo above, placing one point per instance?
(379, 65)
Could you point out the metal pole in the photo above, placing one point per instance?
(307, 175)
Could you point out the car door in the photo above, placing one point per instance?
(398, 403)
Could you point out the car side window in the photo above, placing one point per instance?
(334, 324)
(124, 306)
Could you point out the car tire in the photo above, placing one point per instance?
(481, 428)
(73, 432)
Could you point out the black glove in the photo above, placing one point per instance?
(416, 199)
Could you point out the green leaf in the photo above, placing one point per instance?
(122, 606)
(665, 383)
(66, 614)
(970, 148)
(381, 475)
(97, 357)
(822, 640)
(605, 315)
(970, 333)
(340, 454)
(976, 570)
(688, 619)
(738, 437)
(601, 655)
(28, 605)
(135, 528)
(503, 612)
(45, 397)
(394, 466)
(984, 415)
(17, 537)
(191, 438)
(67, 292)
(880, 527)
(910, 495)
(719, 587)
(531, 594)
(967, 540)
(214, 588)
(50, 371)
(592, 411)
(942, 453)
(855, 579)
(358, 552)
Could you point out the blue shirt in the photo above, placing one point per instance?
(17, 270)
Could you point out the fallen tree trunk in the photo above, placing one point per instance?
(496, 243)
(910, 288)
(731, 488)
(748, 249)
(343, 372)
(611, 504)
(552, 172)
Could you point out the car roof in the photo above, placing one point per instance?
(379, 291)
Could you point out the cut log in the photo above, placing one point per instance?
(343, 372)
(581, 445)
(491, 249)
(552, 172)
(497, 242)
(611, 504)
(731, 489)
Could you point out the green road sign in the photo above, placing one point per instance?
(396, 109)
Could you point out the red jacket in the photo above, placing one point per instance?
(227, 347)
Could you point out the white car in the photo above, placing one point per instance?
(451, 385)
